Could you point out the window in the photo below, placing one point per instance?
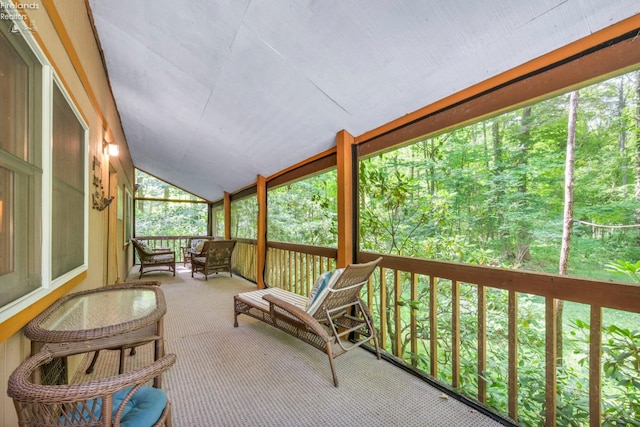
(68, 201)
(244, 218)
(305, 211)
(20, 168)
(217, 217)
(43, 184)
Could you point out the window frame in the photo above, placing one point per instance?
(40, 141)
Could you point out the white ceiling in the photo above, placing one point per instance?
(213, 93)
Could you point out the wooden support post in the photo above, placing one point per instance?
(227, 215)
(261, 248)
(344, 163)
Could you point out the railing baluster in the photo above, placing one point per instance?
(455, 333)
(383, 308)
(550, 361)
(433, 325)
(512, 339)
(309, 277)
(413, 323)
(595, 370)
(482, 343)
(397, 321)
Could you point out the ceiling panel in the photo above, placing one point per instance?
(213, 93)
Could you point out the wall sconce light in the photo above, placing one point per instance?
(112, 148)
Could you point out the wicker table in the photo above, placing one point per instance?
(103, 318)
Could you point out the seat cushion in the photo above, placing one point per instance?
(254, 298)
(143, 409)
(159, 259)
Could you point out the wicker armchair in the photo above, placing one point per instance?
(333, 312)
(150, 258)
(113, 401)
(215, 257)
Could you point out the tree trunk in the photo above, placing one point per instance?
(568, 212)
(622, 131)
(523, 252)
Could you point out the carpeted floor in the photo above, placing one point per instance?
(255, 375)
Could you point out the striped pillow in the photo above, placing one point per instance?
(315, 301)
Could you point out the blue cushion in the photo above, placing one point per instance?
(143, 409)
(314, 303)
(318, 286)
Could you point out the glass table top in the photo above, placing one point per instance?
(101, 309)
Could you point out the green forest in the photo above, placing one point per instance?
(550, 187)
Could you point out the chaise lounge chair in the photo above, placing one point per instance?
(333, 312)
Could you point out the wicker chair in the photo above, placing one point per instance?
(112, 401)
(215, 257)
(332, 313)
(151, 258)
(191, 249)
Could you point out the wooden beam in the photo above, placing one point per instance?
(559, 55)
(344, 142)
(261, 249)
(227, 215)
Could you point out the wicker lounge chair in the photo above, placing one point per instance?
(332, 313)
(151, 258)
(215, 257)
(112, 401)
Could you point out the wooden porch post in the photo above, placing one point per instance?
(227, 215)
(344, 162)
(261, 246)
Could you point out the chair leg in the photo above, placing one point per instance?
(121, 366)
(93, 362)
(333, 368)
(167, 421)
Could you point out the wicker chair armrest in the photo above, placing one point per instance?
(298, 313)
(162, 252)
(22, 389)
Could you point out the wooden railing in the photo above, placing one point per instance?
(423, 311)
(244, 259)
(405, 292)
(295, 267)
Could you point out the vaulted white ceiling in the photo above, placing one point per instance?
(213, 93)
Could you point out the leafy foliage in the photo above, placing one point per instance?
(167, 218)
(492, 193)
(305, 211)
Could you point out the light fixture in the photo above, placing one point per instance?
(113, 148)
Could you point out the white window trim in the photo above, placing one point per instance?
(49, 78)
